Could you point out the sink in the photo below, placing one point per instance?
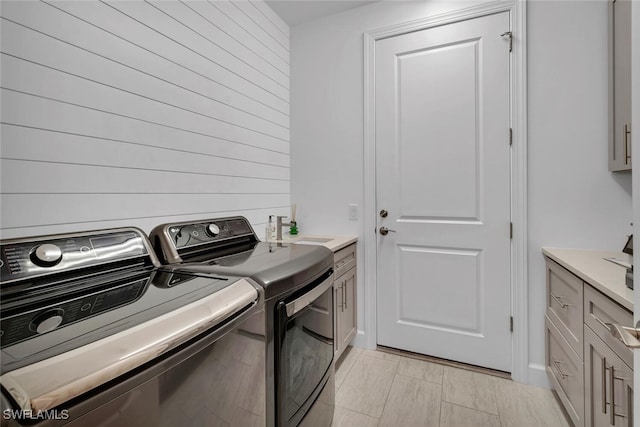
(312, 241)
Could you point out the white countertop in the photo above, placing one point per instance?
(603, 275)
(331, 241)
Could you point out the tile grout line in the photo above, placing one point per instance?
(495, 395)
(357, 358)
(495, 385)
(386, 400)
(473, 409)
(421, 379)
(441, 398)
(493, 390)
(348, 370)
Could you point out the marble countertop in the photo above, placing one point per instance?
(591, 267)
(331, 241)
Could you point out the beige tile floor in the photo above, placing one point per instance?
(382, 389)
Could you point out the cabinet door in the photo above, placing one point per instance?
(337, 316)
(620, 46)
(348, 317)
(608, 384)
(346, 314)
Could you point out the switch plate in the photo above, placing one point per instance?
(353, 212)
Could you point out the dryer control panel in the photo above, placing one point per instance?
(176, 242)
(218, 230)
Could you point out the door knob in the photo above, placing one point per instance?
(384, 231)
(384, 213)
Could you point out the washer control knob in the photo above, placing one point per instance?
(46, 255)
(213, 230)
(47, 321)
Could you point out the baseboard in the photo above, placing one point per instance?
(360, 340)
(538, 376)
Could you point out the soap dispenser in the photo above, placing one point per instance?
(270, 230)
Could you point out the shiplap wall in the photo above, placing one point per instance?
(138, 113)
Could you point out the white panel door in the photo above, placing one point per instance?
(443, 175)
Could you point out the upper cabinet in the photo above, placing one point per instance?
(620, 82)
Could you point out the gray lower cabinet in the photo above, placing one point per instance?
(564, 304)
(590, 369)
(565, 370)
(608, 383)
(345, 287)
(345, 298)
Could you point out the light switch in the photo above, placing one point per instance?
(353, 212)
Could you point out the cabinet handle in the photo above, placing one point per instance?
(344, 295)
(604, 385)
(613, 408)
(612, 379)
(557, 365)
(602, 322)
(627, 151)
(340, 264)
(612, 412)
(559, 301)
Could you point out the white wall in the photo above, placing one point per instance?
(327, 119)
(573, 200)
(635, 118)
(135, 113)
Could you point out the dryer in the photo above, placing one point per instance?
(298, 289)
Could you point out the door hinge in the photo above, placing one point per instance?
(511, 323)
(510, 136)
(510, 35)
(511, 230)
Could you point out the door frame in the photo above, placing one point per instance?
(518, 111)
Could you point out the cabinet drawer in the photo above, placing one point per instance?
(344, 259)
(598, 310)
(565, 304)
(565, 370)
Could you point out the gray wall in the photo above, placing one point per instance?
(136, 113)
(573, 200)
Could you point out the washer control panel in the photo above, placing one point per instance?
(185, 235)
(23, 258)
(46, 255)
(41, 320)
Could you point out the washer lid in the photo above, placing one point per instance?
(35, 327)
(148, 333)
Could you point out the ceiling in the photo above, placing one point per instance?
(295, 12)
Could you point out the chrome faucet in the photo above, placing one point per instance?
(279, 225)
